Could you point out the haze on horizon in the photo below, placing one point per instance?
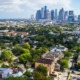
(25, 8)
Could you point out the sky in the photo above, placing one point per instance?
(25, 8)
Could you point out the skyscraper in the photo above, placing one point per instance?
(66, 15)
(78, 18)
(45, 12)
(52, 14)
(38, 15)
(71, 17)
(56, 15)
(71, 13)
(48, 15)
(42, 13)
(61, 15)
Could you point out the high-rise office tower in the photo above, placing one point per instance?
(71, 13)
(38, 15)
(61, 15)
(45, 12)
(66, 15)
(78, 18)
(56, 14)
(52, 14)
(42, 13)
(48, 15)
(71, 17)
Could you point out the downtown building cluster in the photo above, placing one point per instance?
(60, 16)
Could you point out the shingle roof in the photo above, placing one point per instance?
(44, 61)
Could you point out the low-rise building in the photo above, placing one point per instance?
(56, 55)
(5, 72)
(58, 48)
(47, 63)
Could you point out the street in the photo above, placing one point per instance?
(64, 75)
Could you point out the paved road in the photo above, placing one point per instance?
(63, 76)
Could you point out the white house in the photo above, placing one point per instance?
(59, 48)
(5, 72)
(17, 74)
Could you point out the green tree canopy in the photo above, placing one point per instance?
(77, 48)
(2, 46)
(41, 69)
(67, 54)
(7, 54)
(15, 78)
(17, 50)
(63, 63)
(44, 49)
(78, 65)
(25, 45)
(25, 57)
(40, 76)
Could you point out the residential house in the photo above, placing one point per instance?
(18, 74)
(47, 63)
(5, 72)
(58, 48)
(21, 68)
(56, 55)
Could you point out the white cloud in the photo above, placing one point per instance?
(11, 5)
(30, 6)
(51, 3)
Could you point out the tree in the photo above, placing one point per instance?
(63, 63)
(75, 56)
(78, 65)
(15, 78)
(17, 50)
(67, 54)
(41, 69)
(25, 57)
(25, 45)
(2, 46)
(44, 49)
(7, 54)
(28, 73)
(77, 48)
(40, 76)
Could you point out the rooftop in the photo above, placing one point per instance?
(44, 61)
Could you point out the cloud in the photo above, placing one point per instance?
(30, 6)
(51, 3)
(10, 5)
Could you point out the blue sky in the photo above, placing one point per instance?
(25, 8)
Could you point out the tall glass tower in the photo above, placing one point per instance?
(61, 15)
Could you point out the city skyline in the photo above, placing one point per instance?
(25, 8)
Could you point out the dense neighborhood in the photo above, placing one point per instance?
(39, 51)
